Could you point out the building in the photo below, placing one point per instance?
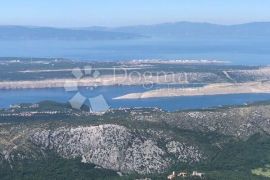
(172, 176)
(197, 174)
(182, 174)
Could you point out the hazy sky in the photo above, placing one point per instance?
(76, 13)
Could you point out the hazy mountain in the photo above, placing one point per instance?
(188, 29)
(166, 30)
(46, 33)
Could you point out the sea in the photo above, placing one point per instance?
(237, 51)
(12, 97)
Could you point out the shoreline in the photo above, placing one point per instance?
(107, 80)
(212, 89)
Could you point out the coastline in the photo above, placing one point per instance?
(106, 80)
(212, 89)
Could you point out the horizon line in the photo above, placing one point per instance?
(121, 26)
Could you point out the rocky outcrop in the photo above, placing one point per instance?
(183, 152)
(114, 147)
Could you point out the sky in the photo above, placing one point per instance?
(83, 13)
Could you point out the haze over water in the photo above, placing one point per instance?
(237, 51)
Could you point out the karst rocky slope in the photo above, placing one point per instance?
(143, 141)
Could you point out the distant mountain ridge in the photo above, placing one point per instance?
(165, 30)
(49, 33)
(190, 29)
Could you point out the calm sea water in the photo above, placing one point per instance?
(8, 97)
(238, 51)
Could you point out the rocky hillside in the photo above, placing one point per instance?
(144, 141)
(109, 146)
(240, 122)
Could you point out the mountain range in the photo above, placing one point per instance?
(165, 30)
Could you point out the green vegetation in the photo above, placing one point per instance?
(237, 162)
(232, 158)
(53, 167)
